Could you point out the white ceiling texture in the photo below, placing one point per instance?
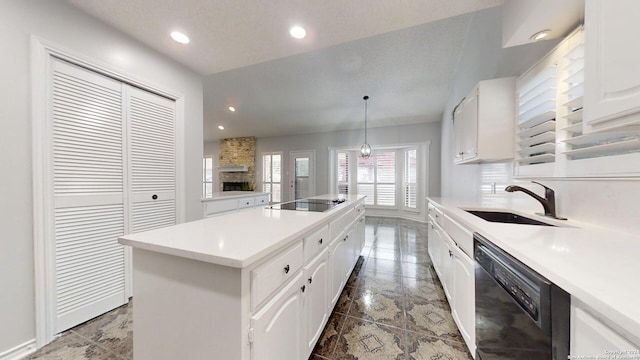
(403, 54)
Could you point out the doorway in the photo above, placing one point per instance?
(302, 183)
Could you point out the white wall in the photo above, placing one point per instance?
(611, 203)
(57, 22)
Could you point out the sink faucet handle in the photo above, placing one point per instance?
(548, 192)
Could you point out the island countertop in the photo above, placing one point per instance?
(236, 239)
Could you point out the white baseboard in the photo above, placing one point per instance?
(20, 352)
(419, 217)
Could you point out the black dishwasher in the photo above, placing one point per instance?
(519, 314)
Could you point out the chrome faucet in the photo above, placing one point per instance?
(548, 202)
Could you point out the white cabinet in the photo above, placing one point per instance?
(228, 201)
(591, 338)
(612, 82)
(337, 265)
(277, 327)
(316, 300)
(463, 295)
(455, 269)
(486, 114)
(275, 308)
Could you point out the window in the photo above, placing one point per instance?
(410, 178)
(207, 177)
(377, 178)
(394, 177)
(272, 175)
(343, 172)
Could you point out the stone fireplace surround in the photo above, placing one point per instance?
(237, 152)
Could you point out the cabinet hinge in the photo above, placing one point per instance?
(250, 335)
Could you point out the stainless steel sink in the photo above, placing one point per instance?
(506, 217)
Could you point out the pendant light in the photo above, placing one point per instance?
(365, 149)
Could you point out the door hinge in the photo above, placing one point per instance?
(250, 335)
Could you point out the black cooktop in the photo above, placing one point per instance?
(315, 205)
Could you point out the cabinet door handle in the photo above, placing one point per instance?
(286, 269)
(310, 280)
(450, 253)
(154, 197)
(320, 241)
(303, 288)
(247, 203)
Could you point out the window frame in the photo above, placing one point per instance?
(271, 182)
(204, 178)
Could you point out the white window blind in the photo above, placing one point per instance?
(410, 178)
(377, 178)
(272, 175)
(343, 172)
(536, 116)
(590, 145)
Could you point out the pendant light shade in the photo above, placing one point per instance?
(365, 149)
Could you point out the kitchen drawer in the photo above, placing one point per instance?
(271, 275)
(435, 214)
(246, 202)
(359, 209)
(461, 235)
(339, 225)
(315, 242)
(219, 206)
(262, 200)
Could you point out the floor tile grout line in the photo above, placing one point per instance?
(98, 344)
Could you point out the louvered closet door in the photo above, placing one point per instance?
(88, 182)
(151, 120)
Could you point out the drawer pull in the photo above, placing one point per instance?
(310, 280)
(345, 238)
(303, 288)
(286, 269)
(247, 203)
(154, 197)
(320, 241)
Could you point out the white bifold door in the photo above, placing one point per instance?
(112, 172)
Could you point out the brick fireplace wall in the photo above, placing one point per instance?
(238, 152)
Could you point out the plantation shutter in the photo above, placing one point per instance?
(88, 184)
(343, 173)
(151, 120)
(386, 178)
(410, 178)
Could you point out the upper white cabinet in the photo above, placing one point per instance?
(484, 116)
(612, 82)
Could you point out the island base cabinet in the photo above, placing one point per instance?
(276, 329)
(316, 300)
(337, 265)
(177, 302)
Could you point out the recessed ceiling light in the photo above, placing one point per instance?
(298, 32)
(232, 109)
(540, 35)
(180, 37)
(220, 127)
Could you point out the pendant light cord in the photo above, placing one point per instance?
(365, 118)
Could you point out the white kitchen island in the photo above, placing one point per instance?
(250, 285)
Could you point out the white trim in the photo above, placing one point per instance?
(395, 214)
(41, 53)
(20, 352)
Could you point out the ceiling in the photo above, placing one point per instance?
(402, 56)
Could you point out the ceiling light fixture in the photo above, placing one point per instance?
(180, 37)
(540, 35)
(298, 32)
(365, 149)
(220, 127)
(232, 109)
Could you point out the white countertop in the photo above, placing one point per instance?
(236, 239)
(233, 194)
(598, 266)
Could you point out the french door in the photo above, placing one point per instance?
(302, 174)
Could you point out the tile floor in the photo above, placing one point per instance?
(393, 307)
